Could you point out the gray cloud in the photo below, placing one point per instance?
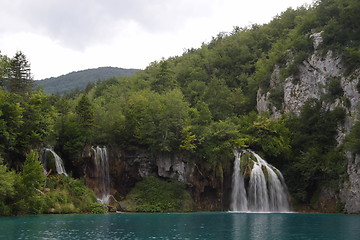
(81, 23)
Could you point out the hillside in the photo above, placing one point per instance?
(287, 91)
(80, 79)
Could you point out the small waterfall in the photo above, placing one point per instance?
(59, 165)
(257, 185)
(102, 173)
(238, 192)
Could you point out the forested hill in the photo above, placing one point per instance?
(288, 90)
(80, 79)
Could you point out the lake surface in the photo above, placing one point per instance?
(183, 226)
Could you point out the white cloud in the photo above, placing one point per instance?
(81, 23)
(59, 36)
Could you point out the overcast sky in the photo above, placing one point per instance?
(60, 36)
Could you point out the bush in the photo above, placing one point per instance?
(277, 97)
(96, 208)
(156, 195)
(352, 141)
(7, 188)
(68, 195)
(352, 60)
(334, 89)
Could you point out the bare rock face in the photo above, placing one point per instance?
(314, 74)
(317, 39)
(263, 99)
(172, 166)
(208, 190)
(350, 194)
(328, 201)
(129, 167)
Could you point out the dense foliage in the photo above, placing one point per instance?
(202, 103)
(27, 121)
(31, 192)
(315, 158)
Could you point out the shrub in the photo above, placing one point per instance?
(334, 89)
(352, 141)
(277, 97)
(96, 208)
(68, 195)
(156, 195)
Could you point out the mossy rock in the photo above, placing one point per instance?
(247, 164)
(266, 173)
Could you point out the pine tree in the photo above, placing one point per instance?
(165, 79)
(4, 70)
(85, 112)
(19, 77)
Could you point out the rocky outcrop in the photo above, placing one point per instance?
(350, 194)
(314, 75)
(328, 201)
(129, 167)
(209, 190)
(172, 166)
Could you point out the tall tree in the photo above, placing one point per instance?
(4, 70)
(19, 77)
(165, 78)
(85, 111)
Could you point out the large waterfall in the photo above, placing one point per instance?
(102, 173)
(257, 186)
(47, 163)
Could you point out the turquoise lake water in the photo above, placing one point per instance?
(242, 226)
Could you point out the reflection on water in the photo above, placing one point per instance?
(264, 226)
(256, 226)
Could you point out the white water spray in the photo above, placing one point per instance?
(238, 192)
(265, 189)
(103, 175)
(59, 165)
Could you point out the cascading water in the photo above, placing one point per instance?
(238, 191)
(59, 165)
(256, 185)
(102, 173)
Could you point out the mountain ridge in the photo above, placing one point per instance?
(80, 79)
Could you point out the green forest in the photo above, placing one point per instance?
(202, 104)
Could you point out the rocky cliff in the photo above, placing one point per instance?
(314, 76)
(209, 191)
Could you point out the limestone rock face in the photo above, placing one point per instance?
(172, 166)
(350, 194)
(317, 39)
(314, 74)
(129, 167)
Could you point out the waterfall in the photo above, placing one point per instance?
(257, 186)
(102, 173)
(238, 192)
(59, 165)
